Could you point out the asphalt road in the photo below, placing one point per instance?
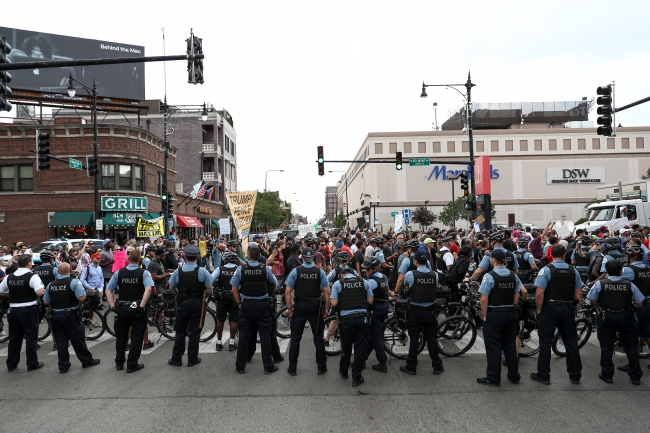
(212, 396)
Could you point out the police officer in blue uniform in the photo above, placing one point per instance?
(23, 288)
(47, 271)
(612, 252)
(582, 255)
(226, 305)
(311, 294)
(379, 286)
(190, 282)
(136, 285)
(352, 295)
(379, 254)
(408, 264)
(615, 296)
(558, 293)
(525, 261)
(64, 295)
(423, 318)
(499, 294)
(343, 258)
(639, 274)
(511, 263)
(249, 288)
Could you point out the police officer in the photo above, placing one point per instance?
(423, 319)
(379, 286)
(249, 288)
(408, 264)
(616, 296)
(444, 259)
(379, 254)
(226, 305)
(189, 282)
(135, 286)
(612, 252)
(499, 294)
(343, 258)
(351, 294)
(311, 294)
(23, 288)
(496, 240)
(583, 255)
(64, 295)
(233, 247)
(558, 292)
(46, 271)
(525, 261)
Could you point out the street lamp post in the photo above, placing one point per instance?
(347, 202)
(453, 177)
(435, 114)
(266, 176)
(93, 92)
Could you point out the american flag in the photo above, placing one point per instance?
(201, 192)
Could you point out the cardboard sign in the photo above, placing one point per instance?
(563, 229)
(480, 219)
(224, 226)
(242, 205)
(119, 257)
(616, 225)
(399, 221)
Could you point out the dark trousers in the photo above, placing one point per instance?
(376, 331)
(69, 328)
(306, 311)
(353, 331)
(562, 318)
(623, 323)
(127, 319)
(188, 317)
(423, 320)
(499, 332)
(23, 323)
(254, 313)
(275, 346)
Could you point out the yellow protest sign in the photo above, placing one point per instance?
(241, 206)
(150, 228)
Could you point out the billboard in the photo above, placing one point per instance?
(118, 81)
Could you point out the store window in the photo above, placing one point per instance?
(15, 178)
(126, 177)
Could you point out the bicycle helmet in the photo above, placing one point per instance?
(523, 242)
(612, 243)
(585, 240)
(46, 255)
(637, 234)
(343, 256)
(496, 237)
(413, 243)
(230, 257)
(635, 251)
(232, 243)
(346, 270)
(371, 263)
(380, 240)
(310, 241)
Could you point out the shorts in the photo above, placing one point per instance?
(227, 307)
(643, 319)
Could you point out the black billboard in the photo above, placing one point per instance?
(118, 81)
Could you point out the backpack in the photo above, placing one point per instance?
(452, 276)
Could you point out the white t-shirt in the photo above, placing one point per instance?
(35, 283)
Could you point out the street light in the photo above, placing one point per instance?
(93, 92)
(452, 178)
(266, 177)
(289, 193)
(204, 114)
(435, 113)
(347, 202)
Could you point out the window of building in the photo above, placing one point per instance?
(639, 143)
(538, 145)
(625, 143)
(582, 144)
(232, 148)
(128, 177)
(15, 178)
(509, 146)
(108, 176)
(552, 144)
(595, 143)
(566, 144)
(407, 148)
(125, 176)
(138, 178)
(451, 146)
(422, 147)
(523, 145)
(465, 145)
(480, 146)
(379, 148)
(392, 148)
(436, 147)
(161, 180)
(611, 144)
(494, 145)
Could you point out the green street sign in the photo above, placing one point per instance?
(393, 214)
(75, 163)
(418, 161)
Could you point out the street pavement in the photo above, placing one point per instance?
(212, 396)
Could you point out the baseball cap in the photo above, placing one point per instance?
(307, 254)
(428, 241)
(621, 231)
(257, 237)
(499, 255)
(420, 256)
(96, 256)
(162, 251)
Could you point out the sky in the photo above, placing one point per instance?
(298, 74)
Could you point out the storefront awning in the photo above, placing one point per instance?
(71, 219)
(129, 219)
(215, 222)
(187, 221)
(151, 215)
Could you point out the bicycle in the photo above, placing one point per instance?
(457, 333)
(89, 313)
(396, 338)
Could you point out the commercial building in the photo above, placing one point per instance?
(538, 173)
(331, 203)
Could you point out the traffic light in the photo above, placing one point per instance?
(194, 66)
(321, 161)
(464, 183)
(91, 166)
(605, 110)
(398, 160)
(5, 77)
(170, 204)
(42, 151)
(163, 193)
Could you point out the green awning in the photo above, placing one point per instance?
(215, 222)
(71, 219)
(127, 219)
(152, 215)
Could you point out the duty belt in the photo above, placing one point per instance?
(308, 299)
(129, 302)
(353, 316)
(553, 303)
(616, 311)
(501, 308)
(381, 301)
(254, 300)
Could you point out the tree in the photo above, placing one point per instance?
(267, 210)
(446, 215)
(339, 221)
(423, 216)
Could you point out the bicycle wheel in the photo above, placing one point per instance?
(283, 329)
(94, 327)
(643, 349)
(332, 330)
(209, 325)
(456, 335)
(584, 332)
(44, 328)
(4, 323)
(109, 321)
(528, 341)
(396, 338)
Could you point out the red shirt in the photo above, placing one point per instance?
(347, 249)
(454, 248)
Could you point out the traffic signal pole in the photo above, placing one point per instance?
(92, 62)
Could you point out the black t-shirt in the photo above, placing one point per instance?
(358, 257)
(155, 267)
(170, 262)
(509, 245)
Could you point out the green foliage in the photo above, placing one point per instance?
(446, 216)
(267, 210)
(423, 216)
(339, 221)
(580, 221)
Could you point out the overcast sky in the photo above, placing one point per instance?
(296, 74)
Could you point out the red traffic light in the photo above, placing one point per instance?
(604, 90)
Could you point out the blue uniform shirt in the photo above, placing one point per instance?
(56, 269)
(544, 275)
(591, 254)
(236, 280)
(628, 274)
(608, 257)
(332, 275)
(74, 284)
(528, 257)
(485, 263)
(409, 279)
(293, 275)
(204, 275)
(380, 255)
(404, 266)
(488, 282)
(147, 280)
(336, 289)
(637, 296)
(646, 251)
(372, 282)
(145, 261)
(217, 272)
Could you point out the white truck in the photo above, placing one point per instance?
(631, 204)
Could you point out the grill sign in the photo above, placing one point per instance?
(575, 175)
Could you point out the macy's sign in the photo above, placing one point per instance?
(441, 171)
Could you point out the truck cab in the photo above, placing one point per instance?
(602, 214)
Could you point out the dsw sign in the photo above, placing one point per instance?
(575, 175)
